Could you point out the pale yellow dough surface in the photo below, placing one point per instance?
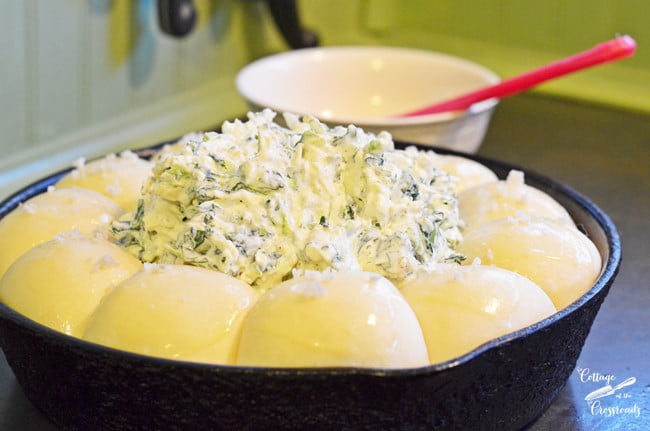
(559, 258)
(461, 307)
(466, 172)
(511, 197)
(60, 283)
(176, 312)
(117, 177)
(43, 216)
(344, 319)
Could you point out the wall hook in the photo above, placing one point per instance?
(177, 18)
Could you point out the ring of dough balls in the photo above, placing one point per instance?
(461, 307)
(85, 286)
(119, 178)
(42, 217)
(60, 283)
(511, 197)
(558, 258)
(176, 312)
(333, 319)
(467, 172)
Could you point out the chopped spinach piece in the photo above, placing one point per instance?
(411, 191)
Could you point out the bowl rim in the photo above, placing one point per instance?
(608, 272)
(244, 75)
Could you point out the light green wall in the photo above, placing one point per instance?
(509, 36)
(85, 77)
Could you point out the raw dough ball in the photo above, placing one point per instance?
(558, 258)
(119, 178)
(461, 307)
(508, 198)
(60, 283)
(344, 319)
(176, 312)
(43, 216)
(467, 172)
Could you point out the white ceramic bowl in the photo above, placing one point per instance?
(369, 86)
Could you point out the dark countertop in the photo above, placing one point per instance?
(604, 154)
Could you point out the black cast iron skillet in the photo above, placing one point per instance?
(502, 385)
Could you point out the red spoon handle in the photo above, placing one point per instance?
(615, 49)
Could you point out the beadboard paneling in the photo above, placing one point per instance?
(58, 68)
(13, 79)
(110, 50)
(154, 62)
(201, 56)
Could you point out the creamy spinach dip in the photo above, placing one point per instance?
(259, 200)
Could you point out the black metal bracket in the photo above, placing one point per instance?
(177, 18)
(285, 15)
